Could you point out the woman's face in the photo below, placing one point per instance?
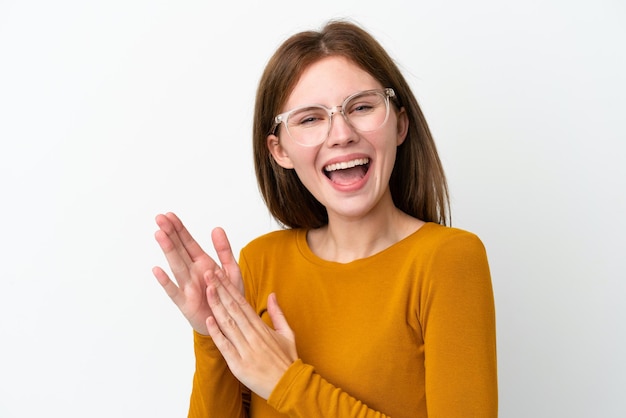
(349, 172)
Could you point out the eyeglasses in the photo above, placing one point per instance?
(310, 125)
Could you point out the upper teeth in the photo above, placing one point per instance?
(346, 164)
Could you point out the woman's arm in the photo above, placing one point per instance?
(458, 319)
(216, 392)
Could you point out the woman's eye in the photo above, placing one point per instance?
(362, 108)
(308, 118)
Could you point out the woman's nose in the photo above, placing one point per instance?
(341, 132)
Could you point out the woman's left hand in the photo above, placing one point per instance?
(255, 353)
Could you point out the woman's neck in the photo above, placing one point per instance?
(344, 240)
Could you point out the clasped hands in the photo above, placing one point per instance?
(211, 297)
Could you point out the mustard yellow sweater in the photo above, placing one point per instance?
(406, 333)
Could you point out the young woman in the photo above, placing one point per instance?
(366, 304)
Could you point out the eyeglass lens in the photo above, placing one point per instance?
(364, 112)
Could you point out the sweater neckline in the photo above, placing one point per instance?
(400, 246)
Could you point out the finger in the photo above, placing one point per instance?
(235, 308)
(229, 317)
(171, 239)
(278, 318)
(176, 261)
(168, 285)
(167, 226)
(225, 252)
(228, 350)
(193, 249)
(231, 292)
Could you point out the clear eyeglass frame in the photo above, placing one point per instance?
(283, 118)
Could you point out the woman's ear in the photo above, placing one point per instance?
(402, 125)
(278, 152)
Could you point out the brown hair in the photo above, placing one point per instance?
(418, 184)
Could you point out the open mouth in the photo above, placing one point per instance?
(347, 172)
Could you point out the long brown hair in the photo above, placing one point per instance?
(418, 184)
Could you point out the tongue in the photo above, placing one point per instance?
(347, 176)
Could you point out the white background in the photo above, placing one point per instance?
(114, 111)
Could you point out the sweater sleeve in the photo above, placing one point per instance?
(458, 319)
(302, 393)
(216, 393)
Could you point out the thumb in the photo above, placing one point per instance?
(278, 318)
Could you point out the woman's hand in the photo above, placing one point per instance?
(189, 263)
(255, 353)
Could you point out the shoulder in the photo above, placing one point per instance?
(438, 237)
(455, 255)
(444, 248)
(273, 242)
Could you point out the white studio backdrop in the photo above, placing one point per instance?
(112, 112)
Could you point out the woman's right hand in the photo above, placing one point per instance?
(189, 263)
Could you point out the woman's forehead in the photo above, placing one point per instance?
(329, 81)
